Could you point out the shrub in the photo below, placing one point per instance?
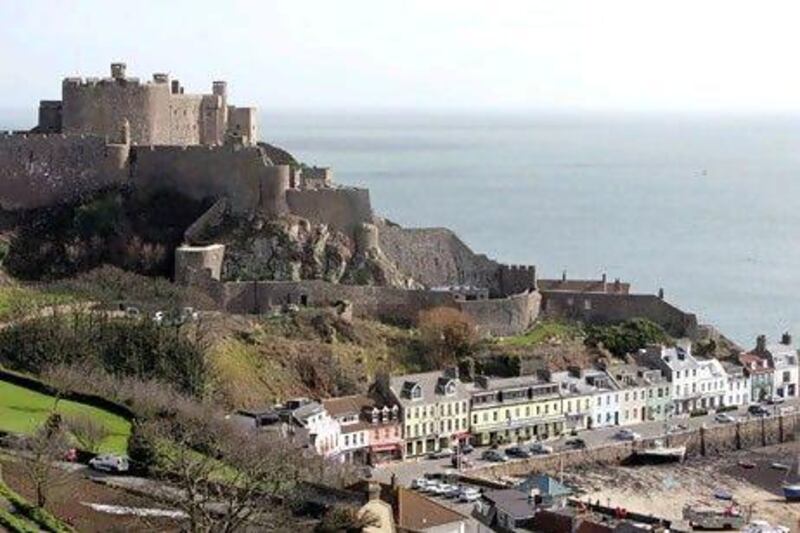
(627, 337)
(726, 408)
(447, 335)
(698, 412)
(88, 431)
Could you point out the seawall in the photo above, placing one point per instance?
(703, 442)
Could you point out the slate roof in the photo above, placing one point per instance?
(415, 512)
(431, 384)
(546, 485)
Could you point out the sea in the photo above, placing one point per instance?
(704, 206)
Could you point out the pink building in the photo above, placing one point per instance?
(385, 432)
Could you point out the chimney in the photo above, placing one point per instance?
(175, 87)
(563, 275)
(761, 344)
(661, 293)
(604, 278)
(786, 339)
(373, 490)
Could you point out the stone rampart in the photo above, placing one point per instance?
(601, 308)
(343, 209)
(436, 257)
(46, 169)
(702, 442)
(506, 316)
(200, 172)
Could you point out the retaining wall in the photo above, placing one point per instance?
(717, 440)
(506, 316)
(343, 209)
(600, 308)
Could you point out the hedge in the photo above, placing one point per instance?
(14, 524)
(42, 517)
(94, 400)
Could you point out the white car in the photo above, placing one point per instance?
(110, 463)
(469, 495)
(420, 483)
(627, 434)
(541, 448)
(724, 418)
(447, 490)
(436, 488)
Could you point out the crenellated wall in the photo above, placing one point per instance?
(506, 316)
(605, 308)
(45, 169)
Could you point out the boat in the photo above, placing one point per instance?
(747, 464)
(779, 466)
(762, 526)
(703, 516)
(722, 494)
(658, 452)
(791, 490)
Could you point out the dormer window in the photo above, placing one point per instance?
(416, 392)
(450, 388)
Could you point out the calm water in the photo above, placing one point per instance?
(705, 207)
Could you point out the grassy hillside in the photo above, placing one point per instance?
(23, 411)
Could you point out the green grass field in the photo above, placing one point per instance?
(21, 301)
(544, 331)
(23, 410)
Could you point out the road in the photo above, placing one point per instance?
(407, 471)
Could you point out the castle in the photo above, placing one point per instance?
(149, 136)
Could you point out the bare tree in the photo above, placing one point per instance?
(40, 452)
(238, 479)
(88, 431)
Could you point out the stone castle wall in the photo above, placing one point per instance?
(436, 257)
(45, 169)
(602, 308)
(156, 114)
(343, 209)
(505, 316)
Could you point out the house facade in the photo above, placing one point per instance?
(644, 393)
(739, 387)
(577, 398)
(786, 373)
(760, 374)
(434, 409)
(514, 409)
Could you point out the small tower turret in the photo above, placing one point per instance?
(118, 71)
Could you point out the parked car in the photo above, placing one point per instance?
(438, 489)
(575, 444)
(757, 410)
(627, 434)
(724, 418)
(469, 494)
(494, 456)
(448, 490)
(540, 448)
(441, 454)
(420, 483)
(108, 462)
(518, 451)
(466, 448)
(775, 400)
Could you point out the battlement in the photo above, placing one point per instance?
(159, 112)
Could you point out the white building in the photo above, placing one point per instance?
(323, 430)
(606, 400)
(353, 436)
(739, 385)
(784, 361)
(696, 383)
(644, 393)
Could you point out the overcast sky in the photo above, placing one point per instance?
(431, 54)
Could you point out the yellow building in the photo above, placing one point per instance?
(434, 410)
(514, 409)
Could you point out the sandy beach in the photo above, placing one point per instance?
(663, 490)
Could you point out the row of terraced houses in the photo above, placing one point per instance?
(413, 415)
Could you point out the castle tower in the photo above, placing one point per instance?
(272, 188)
(367, 238)
(118, 71)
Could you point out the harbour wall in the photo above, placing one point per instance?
(703, 442)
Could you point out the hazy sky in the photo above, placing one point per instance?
(555, 54)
